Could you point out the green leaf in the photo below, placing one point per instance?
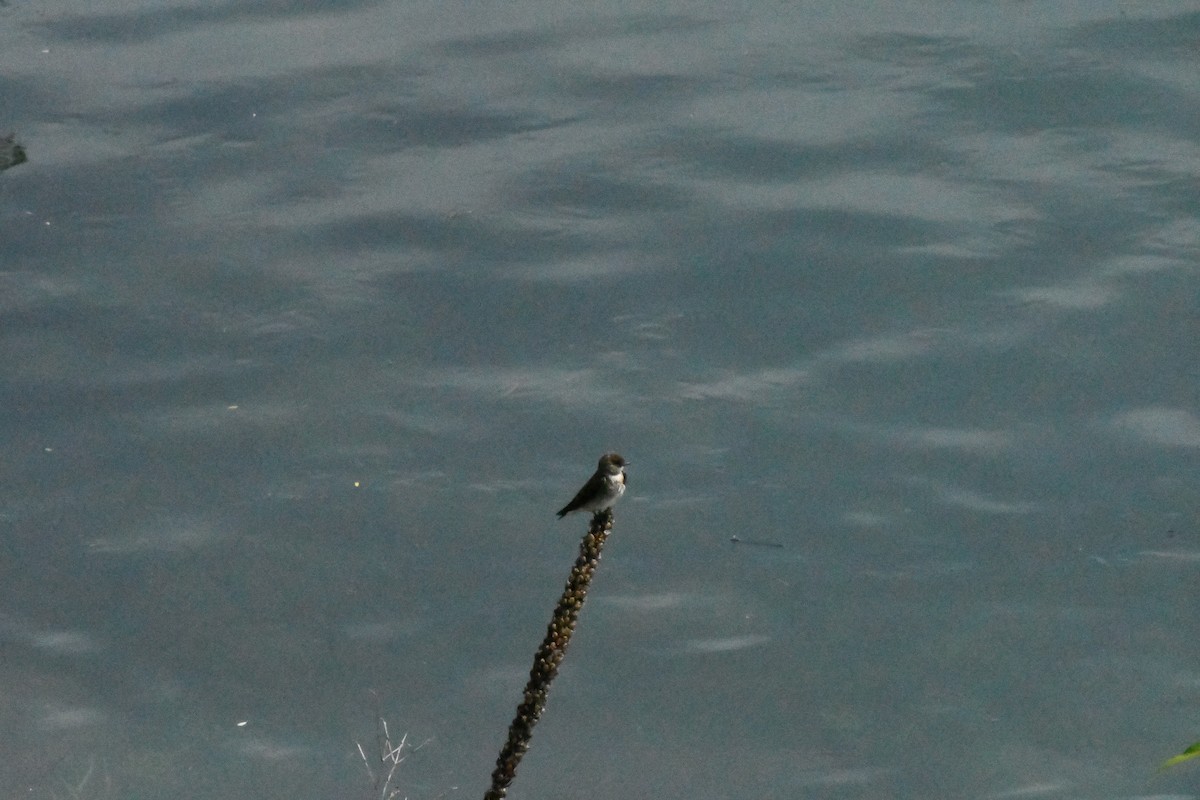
(1186, 755)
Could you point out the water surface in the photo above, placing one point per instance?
(312, 314)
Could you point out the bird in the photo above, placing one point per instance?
(604, 488)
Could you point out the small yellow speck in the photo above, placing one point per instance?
(357, 484)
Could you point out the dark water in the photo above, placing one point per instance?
(313, 313)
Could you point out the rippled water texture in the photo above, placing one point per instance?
(312, 314)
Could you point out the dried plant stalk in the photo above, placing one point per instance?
(550, 655)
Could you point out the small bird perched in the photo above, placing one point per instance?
(603, 489)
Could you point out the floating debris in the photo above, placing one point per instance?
(11, 153)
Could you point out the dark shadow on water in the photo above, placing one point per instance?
(390, 127)
(596, 190)
(555, 36)
(1148, 36)
(142, 26)
(725, 155)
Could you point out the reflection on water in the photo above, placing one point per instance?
(309, 311)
